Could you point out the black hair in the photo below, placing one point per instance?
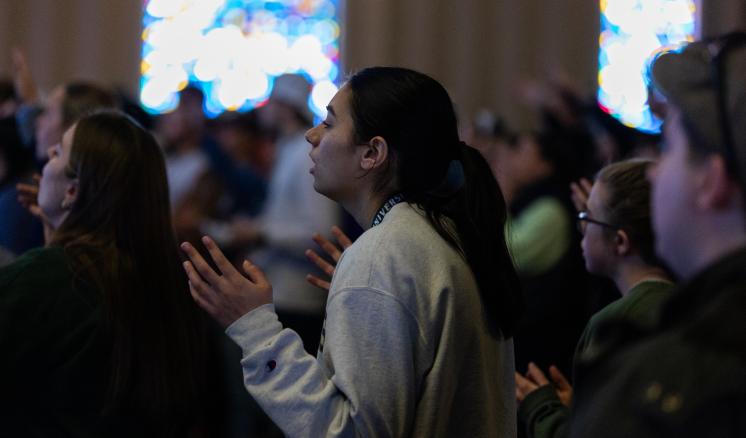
(415, 115)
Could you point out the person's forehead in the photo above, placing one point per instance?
(595, 197)
(340, 104)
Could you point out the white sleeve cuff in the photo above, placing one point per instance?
(255, 328)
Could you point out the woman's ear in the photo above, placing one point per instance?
(71, 194)
(375, 153)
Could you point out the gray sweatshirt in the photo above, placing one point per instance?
(406, 349)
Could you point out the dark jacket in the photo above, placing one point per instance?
(541, 411)
(684, 378)
(55, 357)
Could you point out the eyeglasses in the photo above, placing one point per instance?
(718, 50)
(584, 219)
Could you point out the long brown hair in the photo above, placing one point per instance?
(119, 239)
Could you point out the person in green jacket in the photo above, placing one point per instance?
(99, 337)
(618, 244)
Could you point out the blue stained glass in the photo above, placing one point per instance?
(631, 32)
(256, 43)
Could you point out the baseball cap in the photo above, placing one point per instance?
(705, 80)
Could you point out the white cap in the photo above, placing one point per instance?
(293, 89)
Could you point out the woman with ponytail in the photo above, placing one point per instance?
(421, 308)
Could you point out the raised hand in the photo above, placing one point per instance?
(580, 192)
(561, 386)
(28, 197)
(535, 378)
(23, 80)
(332, 250)
(229, 294)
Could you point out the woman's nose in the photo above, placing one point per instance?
(311, 136)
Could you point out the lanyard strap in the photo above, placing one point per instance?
(387, 206)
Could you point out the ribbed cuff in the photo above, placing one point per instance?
(255, 328)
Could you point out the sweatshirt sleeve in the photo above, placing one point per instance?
(363, 383)
(543, 414)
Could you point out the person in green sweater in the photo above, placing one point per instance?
(98, 335)
(617, 243)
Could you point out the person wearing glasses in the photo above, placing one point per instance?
(618, 244)
(685, 377)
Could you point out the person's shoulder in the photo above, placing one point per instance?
(645, 301)
(407, 223)
(404, 248)
(680, 380)
(33, 267)
(405, 233)
(662, 380)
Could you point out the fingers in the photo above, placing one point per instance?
(201, 291)
(341, 237)
(559, 379)
(225, 266)
(28, 197)
(200, 264)
(35, 210)
(580, 192)
(319, 261)
(327, 246)
(536, 375)
(31, 189)
(316, 281)
(578, 198)
(254, 273)
(23, 80)
(209, 308)
(27, 194)
(523, 387)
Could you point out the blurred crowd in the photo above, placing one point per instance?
(579, 228)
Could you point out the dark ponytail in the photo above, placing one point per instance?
(449, 180)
